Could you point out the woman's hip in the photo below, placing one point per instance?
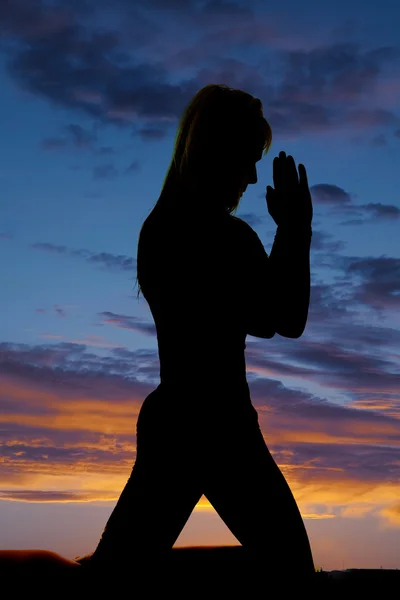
(173, 417)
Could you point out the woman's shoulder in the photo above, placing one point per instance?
(242, 227)
(239, 222)
(206, 226)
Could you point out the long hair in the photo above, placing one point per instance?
(218, 129)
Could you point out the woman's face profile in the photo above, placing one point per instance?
(249, 171)
(230, 173)
(249, 177)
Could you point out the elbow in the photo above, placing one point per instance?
(290, 332)
(292, 328)
(265, 334)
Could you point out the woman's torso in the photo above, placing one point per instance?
(192, 276)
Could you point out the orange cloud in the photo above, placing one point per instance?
(392, 514)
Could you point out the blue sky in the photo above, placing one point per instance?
(91, 97)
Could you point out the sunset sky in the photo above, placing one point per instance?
(91, 95)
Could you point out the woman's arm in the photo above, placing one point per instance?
(289, 272)
(290, 206)
(277, 287)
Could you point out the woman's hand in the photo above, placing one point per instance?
(289, 203)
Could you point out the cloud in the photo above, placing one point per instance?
(74, 137)
(379, 286)
(107, 171)
(89, 340)
(360, 283)
(81, 138)
(384, 211)
(123, 75)
(106, 150)
(133, 167)
(95, 340)
(112, 262)
(82, 75)
(359, 510)
(327, 193)
(60, 311)
(50, 247)
(71, 361)
(340, 72)
(108, 260)
(31, 21)
(323, 241)
(66, 411)
(128, 322)
(370, 118)
(392, 514)
(315, 420)
(54, 496)
(151, 133)
(379, 140)
(390, 406)
(340, 202)
(320, 89)
(340, 461)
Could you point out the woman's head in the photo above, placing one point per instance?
(221, 135)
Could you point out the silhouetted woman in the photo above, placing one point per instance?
(209, 282)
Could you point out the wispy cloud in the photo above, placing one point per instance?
(379, 140)
(51, 496)
(128, 322)
(73, 136)
(341, 202)
(327, 193)
(56, 310)
(107, 171)
(90, 340)
(133, 167)
(392, 513)
(113, 262)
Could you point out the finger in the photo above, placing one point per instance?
(291, 171)
(282, 165)
(277, 173)
(303, 176)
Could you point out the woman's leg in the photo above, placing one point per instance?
(251, 495)
(161, 493)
